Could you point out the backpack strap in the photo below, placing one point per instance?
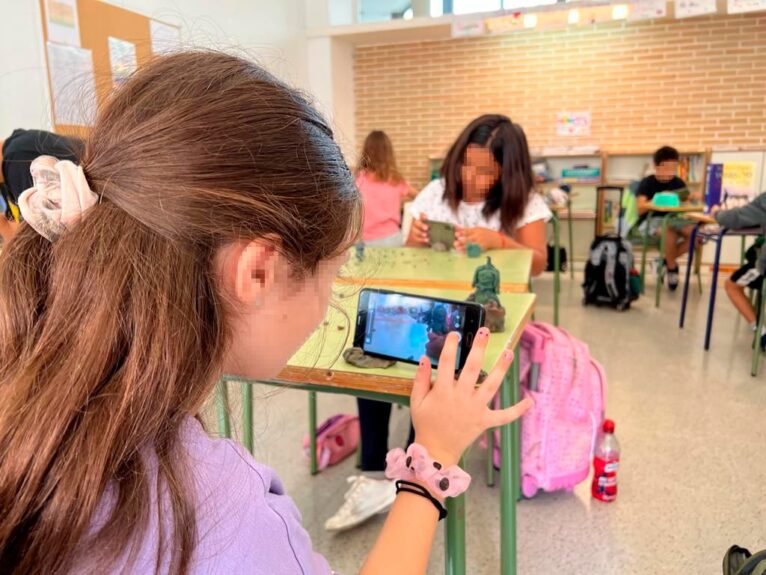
(755, 565)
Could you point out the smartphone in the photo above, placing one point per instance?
(441, 233)
(405, 327)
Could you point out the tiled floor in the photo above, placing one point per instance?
(692, 425)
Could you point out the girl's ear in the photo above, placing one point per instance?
(254, 272)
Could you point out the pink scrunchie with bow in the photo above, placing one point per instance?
(59, 198)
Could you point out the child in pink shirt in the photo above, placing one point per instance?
(383, 190)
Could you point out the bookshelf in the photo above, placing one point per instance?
(582, 170)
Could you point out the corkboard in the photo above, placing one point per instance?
(98, 21)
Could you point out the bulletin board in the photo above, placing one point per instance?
(98, 26)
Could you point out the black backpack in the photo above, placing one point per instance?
(607, 273)
(739, 561)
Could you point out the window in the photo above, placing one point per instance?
(473, 6)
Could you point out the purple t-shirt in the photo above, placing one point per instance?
(245, 522)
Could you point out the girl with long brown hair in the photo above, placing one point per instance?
(383, 190)
(211, 205)
(487, 191)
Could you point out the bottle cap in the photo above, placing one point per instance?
(608, 426)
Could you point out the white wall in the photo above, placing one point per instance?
(271, 31)
(23, 82)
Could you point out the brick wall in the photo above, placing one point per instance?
(694, 83)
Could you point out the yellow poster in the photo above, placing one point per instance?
(739, 179)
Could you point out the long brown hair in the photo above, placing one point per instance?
(508, 144)
(378, 158)
(116, 332)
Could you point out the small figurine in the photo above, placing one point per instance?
(359, 250)
(486, 280)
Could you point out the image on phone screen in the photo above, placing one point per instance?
(406, 327)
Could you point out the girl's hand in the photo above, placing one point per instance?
(486, 238)
(449, 415)
(419, 231)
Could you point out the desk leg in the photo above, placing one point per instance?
(757, 347)
(713, 288)
(222, 409)
(247, 416)
(571, 237)
(491, 458)
(644, 249)
(556, 271)
(313, 432)
(454, 535)
(661, 265)
(509, 478)
(685, 297)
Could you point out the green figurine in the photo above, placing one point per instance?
(486, 281)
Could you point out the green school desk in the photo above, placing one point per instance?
(318, 367)
(402, 268)
(667, 214)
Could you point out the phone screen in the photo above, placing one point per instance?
(406, 327)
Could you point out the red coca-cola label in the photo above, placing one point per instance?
(604, 487)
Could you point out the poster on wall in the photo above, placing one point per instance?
(738, 186)
(503, 24)
(122, 58)
(689, 8)
(61, 22)
(573, 124)
(742, 6)
(648, 9)
(165, 38)
(73, 85)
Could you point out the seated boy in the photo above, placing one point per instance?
(751, 274)
(679, 231)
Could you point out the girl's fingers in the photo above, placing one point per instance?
(498, 417)
(470, 373)
(492, 382)
(422, 383)
(445, 372)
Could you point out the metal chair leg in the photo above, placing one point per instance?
(757, 346)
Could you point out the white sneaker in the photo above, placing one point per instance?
(366, 498)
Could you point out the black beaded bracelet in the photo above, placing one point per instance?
(409, 487)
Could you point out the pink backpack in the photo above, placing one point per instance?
(569, 387)
(337, 438)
